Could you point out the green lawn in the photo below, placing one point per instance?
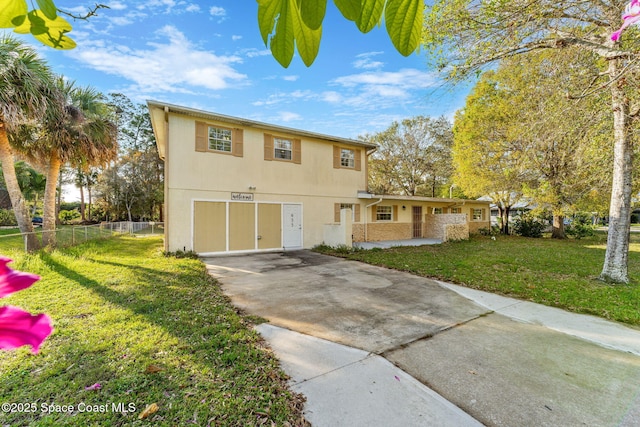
(147, 328)
(558, 273)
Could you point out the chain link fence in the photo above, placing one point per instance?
(73, 235)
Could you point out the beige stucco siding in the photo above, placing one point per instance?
(314, 175)
(213, 176)
(236, 201)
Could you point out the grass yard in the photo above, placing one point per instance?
(149, 329)
(558, 273)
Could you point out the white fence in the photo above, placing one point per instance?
(73, 235)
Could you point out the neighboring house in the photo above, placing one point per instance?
(237, 185)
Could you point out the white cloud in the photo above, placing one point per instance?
(116, 5)
(287, 116)
(217, 11)
(406, 78)
(332, 97)
(161, 66)
(235, 38)
(253, 52)
(167, 6)
(378, 90)
(364, 61)
(286, 98)
(290, 78)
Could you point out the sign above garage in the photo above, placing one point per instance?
(245, 197)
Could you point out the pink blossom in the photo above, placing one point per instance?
(13, 281)
(18, 328)
(631, 16)
(95, 386)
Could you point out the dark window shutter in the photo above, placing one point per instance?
(336, 157)
(357, 161)
(297, 151)
(202, 139)
(268, 146)
(237, 142)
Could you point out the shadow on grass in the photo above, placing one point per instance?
(149, 336)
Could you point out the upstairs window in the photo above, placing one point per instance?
(219, 139)
(347, 158)
(282, 149)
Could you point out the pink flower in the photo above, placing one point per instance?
(13, 281)
(631, 16)
(96, 386)
(18, 328)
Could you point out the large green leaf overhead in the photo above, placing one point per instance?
(44, 24)
(289, 24)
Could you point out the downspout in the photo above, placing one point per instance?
(366, 215)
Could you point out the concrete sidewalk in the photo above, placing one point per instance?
(345, 386)
(417, 352)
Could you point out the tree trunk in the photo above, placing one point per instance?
(616, 256)
(89, 204)
(49, 220)
(501, 216)
(83, 215)
(505, 226)
(59, 198)
(558, 227)
(15, 194)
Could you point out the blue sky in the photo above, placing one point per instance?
(210, 55)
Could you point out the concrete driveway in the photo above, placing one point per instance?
(501, 371)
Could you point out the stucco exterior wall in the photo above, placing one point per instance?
(213, 176)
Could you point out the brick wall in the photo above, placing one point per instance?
(474, 226)
(454, 232)
(435, 225)
(382, 231)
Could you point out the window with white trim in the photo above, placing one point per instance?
(219, 139)
(282, 149)
(347, 158)
(478, 214)
(384, 213)
(456, 210)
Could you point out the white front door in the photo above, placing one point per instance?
(292, 226)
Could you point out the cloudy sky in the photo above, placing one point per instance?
(210, 55)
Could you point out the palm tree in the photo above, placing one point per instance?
(24, 82)
(80, 133)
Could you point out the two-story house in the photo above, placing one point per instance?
(237, 185)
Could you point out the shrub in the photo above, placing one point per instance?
(493, 231)
(68, 216)
(182, 254)
(7, 217)
(581, 226)
(527, 225)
